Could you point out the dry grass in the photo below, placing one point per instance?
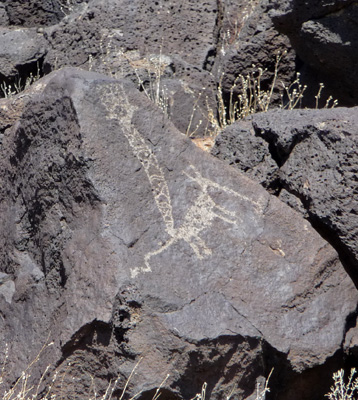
(152, 66)
(341, 390)
(247, 97)
(22, 389)
(66, 6)
(9, 90)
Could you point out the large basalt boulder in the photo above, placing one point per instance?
(147, 42)
(34, 13)
(121, 239)
(77, 30)
(4, 19)
(325, 36)
(19, 48)
(308, 157)
(186, 29)
(192, 47)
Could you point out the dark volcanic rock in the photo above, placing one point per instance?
(240, 147)
(147, 42)
(19, 48)
(325, 37)
(191, 46)
(31, 13)
(4, 19)
(120, 238)
(248, 42)
(310, 154)
(185, 29)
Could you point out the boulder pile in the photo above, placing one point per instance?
(131, 259)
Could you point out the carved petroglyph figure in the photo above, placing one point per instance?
(200, 214)
(199, 217)
(141, 150)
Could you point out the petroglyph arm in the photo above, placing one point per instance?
(205, 183)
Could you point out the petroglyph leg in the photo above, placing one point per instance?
(224, 214)
(151, 254)
(199, 247)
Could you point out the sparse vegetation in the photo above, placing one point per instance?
(153, 65)
(155, 91)
(246, 96)
(19, 85)
(66, 6)
(341, 390)
(22, 390)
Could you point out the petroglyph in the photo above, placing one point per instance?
(141, 150)
(199, 216)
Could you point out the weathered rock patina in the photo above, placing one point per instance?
(122, 239)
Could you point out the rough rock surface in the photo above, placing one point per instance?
(190, 45)
(249, 41)
(242, 148)
(129, 44)
(34, 13)
(120, 238)
(309, 158)
(185, 28)
(325, 37)
(19, 48)
(4, 19)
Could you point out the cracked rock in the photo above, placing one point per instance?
(315, 156)
(126, 240)
(18, 48)
(325, 36)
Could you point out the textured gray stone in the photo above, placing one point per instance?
(198, 44)
(185, 29)
(315, 156)
(127, 240)
(325, 35)
(4, 19)
(19, 47)
(240, 147)
(150, 43)
(249, 41)
(32, 13)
